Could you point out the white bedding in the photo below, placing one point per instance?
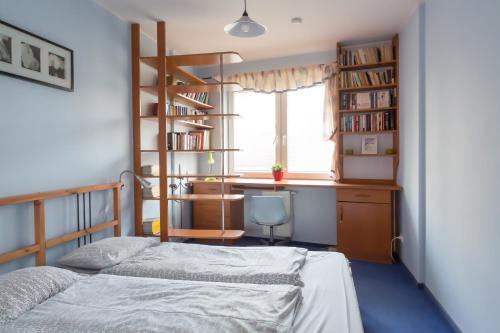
(194, 262)
(329, 302)
(109, 304)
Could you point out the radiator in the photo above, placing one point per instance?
(285, 230)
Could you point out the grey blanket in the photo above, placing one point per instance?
(178, 261)
(108, 304)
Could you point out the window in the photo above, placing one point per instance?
(281, 128)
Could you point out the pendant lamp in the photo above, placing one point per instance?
(245, 26)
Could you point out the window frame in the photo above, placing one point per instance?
(281, 144)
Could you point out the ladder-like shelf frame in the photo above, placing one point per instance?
(171, 66)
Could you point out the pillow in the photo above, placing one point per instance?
(107, 252)
(21, 290)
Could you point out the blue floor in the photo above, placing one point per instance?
(389, 299)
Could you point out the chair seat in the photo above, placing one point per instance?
(268, 224)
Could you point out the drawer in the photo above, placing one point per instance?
(360, 195)
(209, 188)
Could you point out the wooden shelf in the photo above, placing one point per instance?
(194, 88)
(191, 102)
(380, 87)
(205, 234)
(368, 155)
(369, 110)
(192, 150)
(204, 59)
(372, 132)
(201, 197)
(181, 122)
(367, 66)
(194, 125)
(393, 110)
(194, 117)
(174, 70)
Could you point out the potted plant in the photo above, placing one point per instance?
(277, 172)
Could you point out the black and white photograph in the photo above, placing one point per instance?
(26, 56)
(5, 48)
(56, 66)
(30, 57)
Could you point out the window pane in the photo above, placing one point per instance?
(307, 152)
(254, 131)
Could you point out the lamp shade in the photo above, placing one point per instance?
(245, 27)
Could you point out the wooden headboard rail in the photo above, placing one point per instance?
(41, 244)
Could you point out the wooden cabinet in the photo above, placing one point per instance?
(365, 224)
(207, 214)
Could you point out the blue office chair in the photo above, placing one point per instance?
(268, 211)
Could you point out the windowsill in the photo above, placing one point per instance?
(287, 176)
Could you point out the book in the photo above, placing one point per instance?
(355, 79)
(369, 122)
(151, 226)
(153, 192)
(150, 170)
(368, 100)
(366, 55)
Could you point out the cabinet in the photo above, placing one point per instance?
(207, 214)
(365, 224)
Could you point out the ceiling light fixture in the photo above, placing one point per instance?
(245, 26)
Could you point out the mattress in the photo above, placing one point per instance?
(329, 302)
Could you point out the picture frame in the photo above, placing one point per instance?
(369, 145)
(26, 56)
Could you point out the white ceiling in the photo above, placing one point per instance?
(195, 26)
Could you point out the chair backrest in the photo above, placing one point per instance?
(268, 210)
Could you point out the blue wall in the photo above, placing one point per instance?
(52, 139)
(463, 160)
(411, 173)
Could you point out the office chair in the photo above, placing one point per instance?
(268, 211)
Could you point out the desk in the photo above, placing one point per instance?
(366, 213)
(301, 183)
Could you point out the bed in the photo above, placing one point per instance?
(324, 301)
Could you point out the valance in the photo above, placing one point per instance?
(281, 80)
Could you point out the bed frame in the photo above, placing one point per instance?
(41, 244)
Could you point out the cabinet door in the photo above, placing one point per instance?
(364, 230)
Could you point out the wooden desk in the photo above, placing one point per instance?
(366, 213)
(301, 183)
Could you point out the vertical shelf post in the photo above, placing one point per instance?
(223, 133)
(136, 128)
(162, 128)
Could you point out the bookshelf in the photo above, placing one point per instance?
(368, 104)
(186, 97)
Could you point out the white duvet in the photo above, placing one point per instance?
(107, 303)
(178, 261)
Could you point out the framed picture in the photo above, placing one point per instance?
(30, 57)
(369, 144)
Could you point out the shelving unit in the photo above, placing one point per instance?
(393, 109)
(170, 67)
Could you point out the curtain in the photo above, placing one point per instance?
(330, 130)
(282, 80)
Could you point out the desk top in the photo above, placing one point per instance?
(302, 183)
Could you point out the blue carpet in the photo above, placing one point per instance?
(389, 298)
(391, 302)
